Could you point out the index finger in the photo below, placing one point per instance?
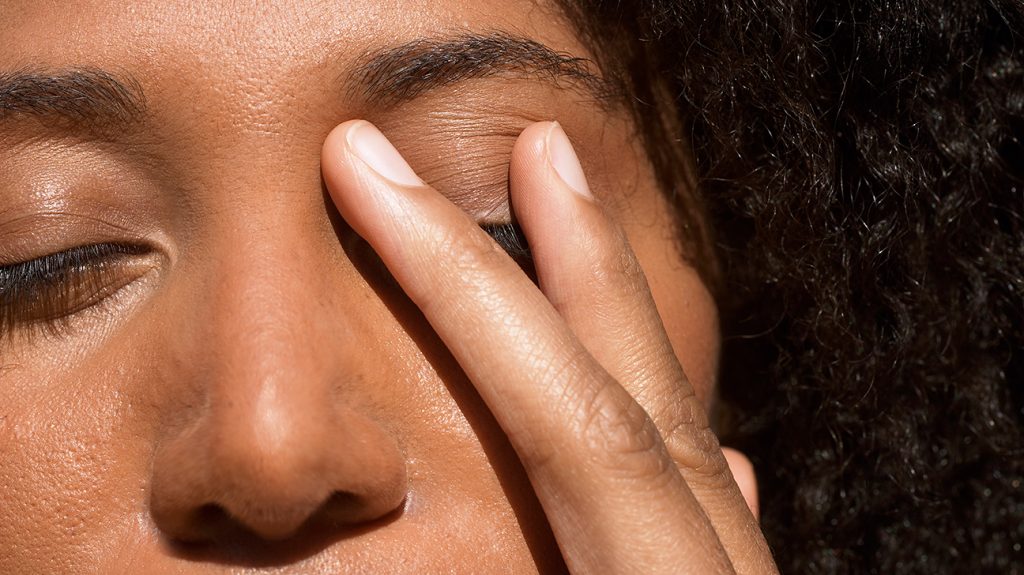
(613, 496)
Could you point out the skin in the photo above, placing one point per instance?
(313, 367)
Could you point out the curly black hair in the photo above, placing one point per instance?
(861, 167)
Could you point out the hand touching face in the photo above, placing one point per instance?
(203, 365)
(613, 438)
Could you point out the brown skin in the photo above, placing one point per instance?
(255, 390)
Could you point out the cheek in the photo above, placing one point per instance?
(691, 320)
(684, 302)
(60, 465)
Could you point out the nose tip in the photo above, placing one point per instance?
(276, 476)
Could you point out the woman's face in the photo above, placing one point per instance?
(239, 383)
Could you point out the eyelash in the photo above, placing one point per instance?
(510, 237)
(47, 292)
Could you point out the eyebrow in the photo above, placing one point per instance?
(402, 73)
(97, 101)
(90, 97)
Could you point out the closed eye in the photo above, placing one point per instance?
(44, 291)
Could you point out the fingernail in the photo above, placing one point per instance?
(377, 152)
(567, 165)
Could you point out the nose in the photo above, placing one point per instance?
(266, 446)
(272, 464)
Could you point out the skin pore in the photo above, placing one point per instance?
(241, 383)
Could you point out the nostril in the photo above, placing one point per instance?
(213, 535)
(211, 523)
(206, 523)
(208, 520)
(230, 542)
(237, 474)
(344, 509)
(271, 522)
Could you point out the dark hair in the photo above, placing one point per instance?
(861, 165)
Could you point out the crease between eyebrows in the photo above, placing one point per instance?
(404, 72)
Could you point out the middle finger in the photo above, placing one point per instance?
(596, 460)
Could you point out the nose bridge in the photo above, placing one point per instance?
(271, 258)
(264, 383)
(259, 304)
(265, 268)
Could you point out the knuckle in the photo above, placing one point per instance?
(624, 441)
(613, 258)
(610, 430)
(690, 441)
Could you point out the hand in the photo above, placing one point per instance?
(622, 459)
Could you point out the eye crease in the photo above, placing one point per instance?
(478, 183)
(478, 180)
(45, 291)
(461, 142)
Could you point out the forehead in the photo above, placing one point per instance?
(254, 73)
(283, 39)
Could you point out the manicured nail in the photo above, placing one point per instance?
(377, 152)
(563, 158)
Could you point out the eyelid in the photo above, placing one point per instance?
(79, 254)
(471, 173)
(27, 229)
(461, 147)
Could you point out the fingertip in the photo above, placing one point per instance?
(530, 183)
(544, 158)
(531, 141)
(336, 142)
(334, 160)
(564, 161)
(569, 239)
(364, 141)
(368, 181)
